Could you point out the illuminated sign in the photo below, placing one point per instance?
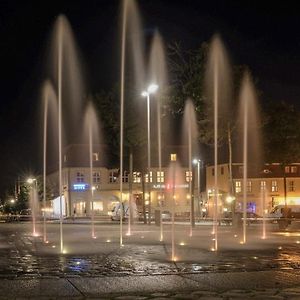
(80, 186)
(169, 186)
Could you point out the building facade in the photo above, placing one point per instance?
(266, 187)
(163, 189)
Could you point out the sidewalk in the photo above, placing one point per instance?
(255, 285)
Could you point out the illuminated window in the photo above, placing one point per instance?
(79, 177)
(263, 185)
(113, 175)
(291, 186)
(125, 176)
(287, 169)
(293, 169)
(238, 186)
(96, 177)
(95, 156)
(173, 157)
(249, 186)
(161, 200)
(136, 176)
(274, 186)
(147, 177)
(98, 206)
(160, 176)
(188, 176)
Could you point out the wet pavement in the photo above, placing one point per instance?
(25, 258)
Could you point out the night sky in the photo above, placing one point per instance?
(263, 36)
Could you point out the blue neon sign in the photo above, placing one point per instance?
(80, 186)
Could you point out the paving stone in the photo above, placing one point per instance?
(159, 295)
(131, 298)
(183, 296)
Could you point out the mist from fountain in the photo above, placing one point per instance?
(218, 90)
(158, 74)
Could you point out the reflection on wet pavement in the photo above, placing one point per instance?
(25, 256)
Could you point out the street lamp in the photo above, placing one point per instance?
(198, 163)
(152, 88)
(33, 193)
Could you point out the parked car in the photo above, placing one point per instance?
(25, 215)
(252, 218)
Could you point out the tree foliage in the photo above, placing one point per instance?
(282, 133)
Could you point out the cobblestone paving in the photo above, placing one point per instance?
(258, 294)
(262, 294)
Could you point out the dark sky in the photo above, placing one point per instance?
(261, 34)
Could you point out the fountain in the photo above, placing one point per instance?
(174, 192)
(66, 73)
(91, 130)
(131, 30)
(251, 139)
(218, 85)
(190, 130)
(50, 106)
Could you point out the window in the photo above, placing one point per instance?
(95, 156)
(136, 177)
(274, 186)
(125, 176)
(238, 186)
(249, 186)
(188, 176)
(113, 175)
(173, 157)
(147, 177)
(291, 186)
(213, 171)
(79, 177)
(222, 170)
(96, 177)
(287, 169)
(241, 169)
(263, 185)
(293, 169)
(160, 176)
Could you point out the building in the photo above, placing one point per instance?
(266, 186)
(155, 188)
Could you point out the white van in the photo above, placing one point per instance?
(293, 211)
(115, 213)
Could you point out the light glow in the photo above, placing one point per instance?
(152, 88)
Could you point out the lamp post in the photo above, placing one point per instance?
(198, 163)
(152, 88)
(33, 202)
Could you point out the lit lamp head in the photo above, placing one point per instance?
(230, 199)
(152, 88)
(196, 161)
(30, 180)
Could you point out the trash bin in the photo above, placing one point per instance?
(237, 220)
(157, 217)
